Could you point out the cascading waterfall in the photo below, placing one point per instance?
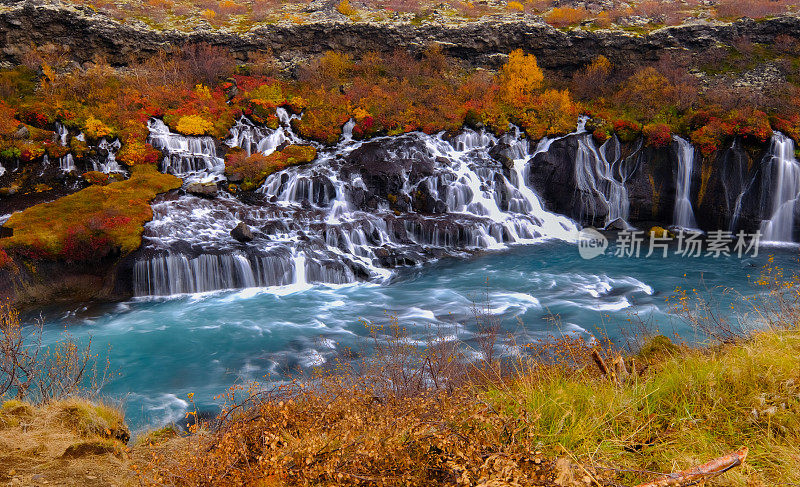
(186, 157)
(67, 162)
(110, 150)
(782, 173)
(313, 224)
(683, 214)
(594, 177)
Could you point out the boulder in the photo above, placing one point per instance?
(242, 232)
(207, 189)
(22, 133)
(617, 224)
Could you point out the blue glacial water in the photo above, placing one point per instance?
(163, 349)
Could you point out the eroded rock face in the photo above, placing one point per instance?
(388, 167)
(88, 34)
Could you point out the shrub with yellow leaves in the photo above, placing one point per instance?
(194, 125)
(95, 129)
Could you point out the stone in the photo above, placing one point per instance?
(617, 224)
(207, 189)
(242, 233)
(22, 133)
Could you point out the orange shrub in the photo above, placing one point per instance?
(519, 78)
(514, 5)
(254, 169)
(194, 125)
(95, 129)
(229, 7)
(566, 16)
(553, 113)
(8, 124)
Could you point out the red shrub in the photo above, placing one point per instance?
(657, 134)
(83, 245)
(627, 130)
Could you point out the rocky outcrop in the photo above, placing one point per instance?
(729, 190)
(86, 34)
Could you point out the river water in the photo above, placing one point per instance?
(161, 349)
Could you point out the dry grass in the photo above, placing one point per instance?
(65, 443)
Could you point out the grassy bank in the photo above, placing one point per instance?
(546, 425)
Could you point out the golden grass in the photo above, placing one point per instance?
(56, 444)
(682, 408)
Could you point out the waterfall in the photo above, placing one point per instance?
(782, 177)
(170, 274)
(185, 157)
(67, 162)
(110, 163)
(594, 177)
(684, 215)
(333, 221)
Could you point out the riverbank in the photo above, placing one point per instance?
(678, 407)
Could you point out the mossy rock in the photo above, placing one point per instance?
(88, 419)
(657, 348)
(252, 170)
(92, 223)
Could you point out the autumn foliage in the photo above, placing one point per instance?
(90, 224)
(252, 170)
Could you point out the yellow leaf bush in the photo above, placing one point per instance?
(194, 125)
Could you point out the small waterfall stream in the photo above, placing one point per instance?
(595, 178)
(332, 221)
(186, 157)
(782, 174)
(683, 214)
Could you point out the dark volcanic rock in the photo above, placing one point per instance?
(732, 190)
(88, 35)
(242, 232)
(386, 165)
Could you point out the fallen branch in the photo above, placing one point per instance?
(701, 473)
(601, 364)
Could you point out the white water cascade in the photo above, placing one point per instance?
(357, 212)
(66, 163)
(110, 163)
(186, 157)
(683, 214)
(783, 173)
(596, 179)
